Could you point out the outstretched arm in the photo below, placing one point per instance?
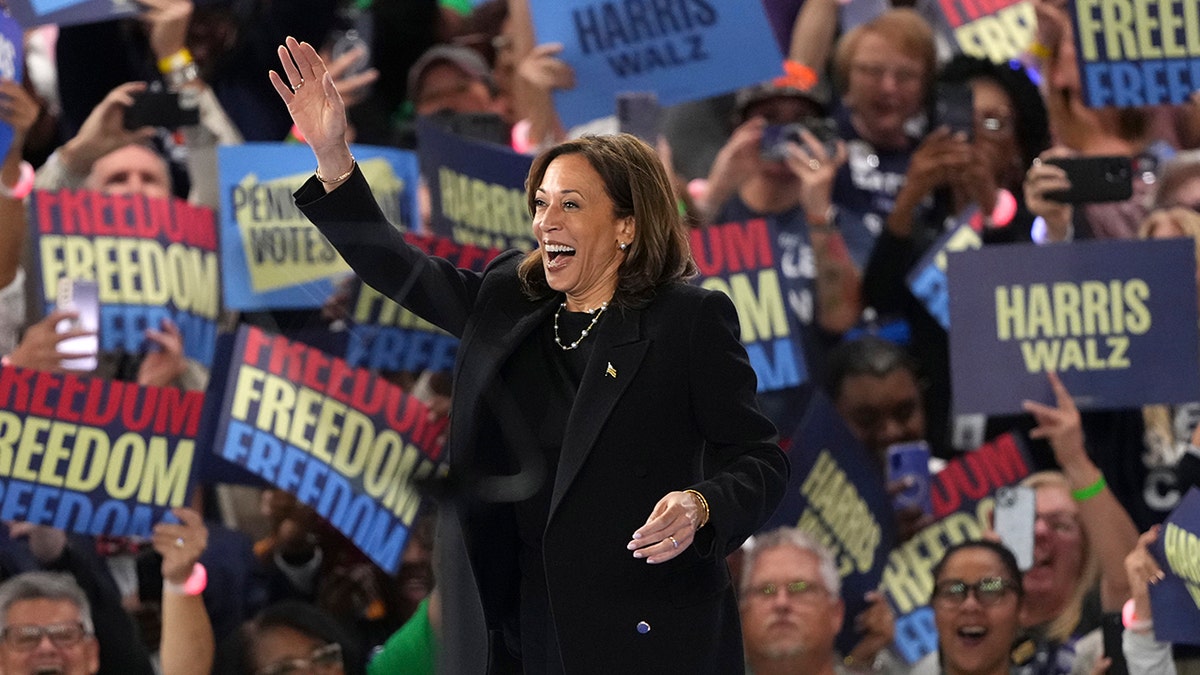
(312, 100)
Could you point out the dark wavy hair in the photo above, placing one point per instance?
(638, 186)
(1007, 559)
(1032, 124)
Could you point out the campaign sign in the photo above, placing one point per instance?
(740, 260)
(271, 255)
(93, 456)
(996, 30)
(927, 280)
(152, 258)
(343, 440)
(1115, 319)
(383, 336)
(1135, 53)
(32, 13)
(963, 505)
(836, 494)
(476, 189)
(683, 51)
(12, 66)
(1175, 601)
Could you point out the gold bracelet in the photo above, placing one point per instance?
(703, 504)
(328, 181)
(176, 61)
(1040, 51)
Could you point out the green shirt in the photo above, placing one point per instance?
(410, 650)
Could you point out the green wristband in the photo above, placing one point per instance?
(1086, 493)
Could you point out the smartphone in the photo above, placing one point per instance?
(910, 460)
(1112, 630)
(775, 137)
(955, 108)
(1014, 520)
(638, 113)
(1094, 179)
(159, 109)
(81, 296)
(488, 127)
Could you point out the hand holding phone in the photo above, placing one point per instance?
(638, 113)
(910, 462)
(955, 108)
(1014, 521)
(159, 109)
(82, 297)
(1094, 179)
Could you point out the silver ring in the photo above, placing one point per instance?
(296, 87)
(179, 542)
(814, 163)
(673, 542)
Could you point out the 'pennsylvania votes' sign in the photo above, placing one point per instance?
(271, 255)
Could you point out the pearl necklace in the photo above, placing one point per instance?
(596, 313)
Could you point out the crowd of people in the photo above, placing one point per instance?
(651, 472)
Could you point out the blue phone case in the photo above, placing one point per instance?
(911, 459)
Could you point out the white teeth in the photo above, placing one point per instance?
(558, 248)
(972, 631)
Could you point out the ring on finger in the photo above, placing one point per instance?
(674, 543)
(814, 164)
(296, 87)
(179, 542)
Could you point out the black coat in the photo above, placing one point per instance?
(679, 413)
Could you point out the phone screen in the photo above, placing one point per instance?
(638, 113)
(956, 108)
(159, 109)
(911, 460)
(82, 296)
(1015, 517)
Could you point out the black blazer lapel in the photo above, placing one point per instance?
(611, 368)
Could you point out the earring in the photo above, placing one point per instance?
(622, 245)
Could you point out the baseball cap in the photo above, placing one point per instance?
(464, 58)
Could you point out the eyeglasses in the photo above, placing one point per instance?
(799, 589)
(24, 638)
(877, 71)
(994, 125)
(988, 591)
(1060, 522)
(323, 659)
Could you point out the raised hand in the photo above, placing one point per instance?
(314, 104)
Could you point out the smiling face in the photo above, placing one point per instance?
(578, 232)
(885, 88)
(1058, 551)
(80, 658)
(788, 624)
(975, 634)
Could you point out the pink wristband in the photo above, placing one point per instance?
(195, 584)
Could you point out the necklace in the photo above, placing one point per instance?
(596, 313)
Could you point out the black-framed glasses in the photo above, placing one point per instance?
(26, 637)
(800, 589)
(323, 659)
(988, 591)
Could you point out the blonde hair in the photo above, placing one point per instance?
(1063, 625)
(1162, 447)
(905, 28)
